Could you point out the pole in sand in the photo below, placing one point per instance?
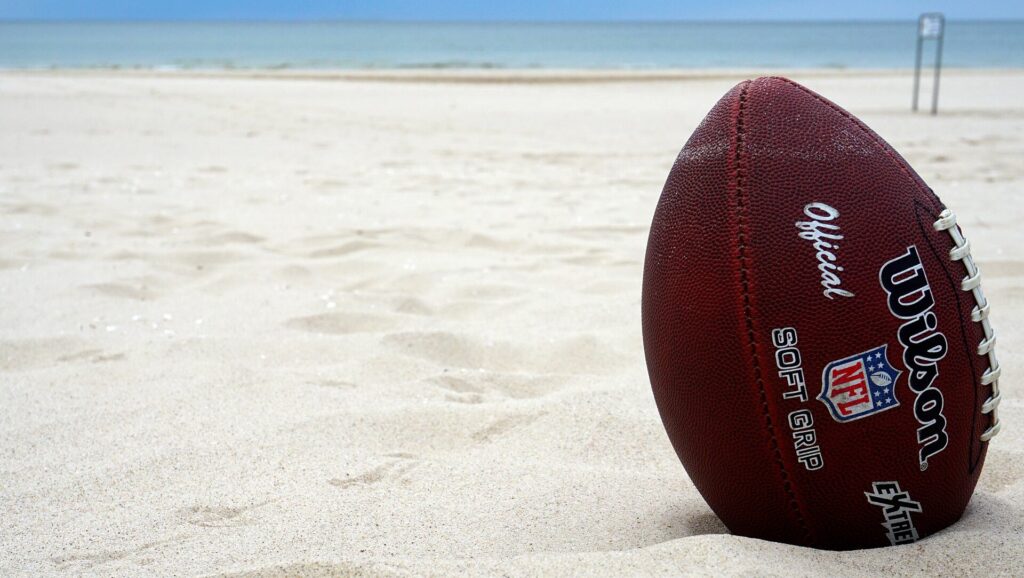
(930, 26)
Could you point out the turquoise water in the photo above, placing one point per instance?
(499, 45)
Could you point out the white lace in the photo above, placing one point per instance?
(987, 348)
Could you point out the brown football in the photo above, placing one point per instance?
(814, 327)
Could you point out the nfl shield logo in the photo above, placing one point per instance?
(859, 385)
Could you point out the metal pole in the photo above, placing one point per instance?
(938, 69)
(917, 70)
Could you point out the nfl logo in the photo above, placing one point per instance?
(859, 385)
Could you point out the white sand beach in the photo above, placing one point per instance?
(330, 324)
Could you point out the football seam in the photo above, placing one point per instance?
(738, 172)
(894, 156)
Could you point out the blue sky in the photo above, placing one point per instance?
(556, 10)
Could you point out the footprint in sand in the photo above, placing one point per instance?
(450, 349)
(89, 560)
(581, 354)
(412, 306)
(396, 469)
(138, 291)
(340, 323)
(215, 516)
(475, 387)
(503, 426)
(460, 390)
(19, 354)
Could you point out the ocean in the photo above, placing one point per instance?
(367, 45)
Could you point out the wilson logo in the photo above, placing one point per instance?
(910, 299)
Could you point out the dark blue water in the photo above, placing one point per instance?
(499, 45)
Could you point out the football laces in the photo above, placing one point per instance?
(961, 251)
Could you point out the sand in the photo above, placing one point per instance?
(318, 324)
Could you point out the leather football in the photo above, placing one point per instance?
(815, 331)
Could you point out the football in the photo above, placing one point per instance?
(815, 330)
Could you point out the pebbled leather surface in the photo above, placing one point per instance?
(725, 267)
